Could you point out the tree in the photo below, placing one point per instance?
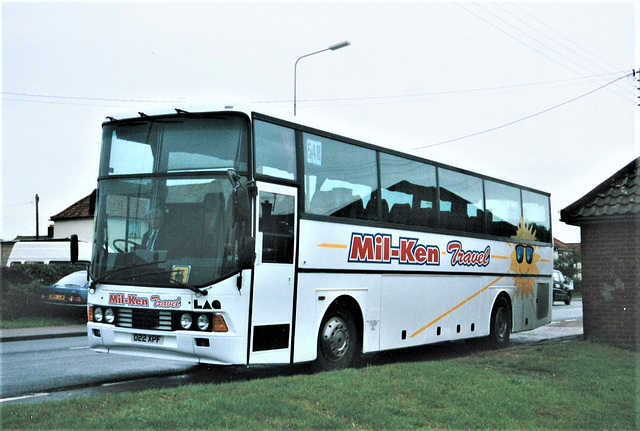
(567, 263)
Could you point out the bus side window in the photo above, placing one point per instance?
(461, 201)
(340, 178)
(537, 211)
(277, 226)
(505, 206)
(275, 150)
(410, 187)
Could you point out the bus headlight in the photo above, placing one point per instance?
(203, 322)
(109, 315)
(186, 321)
(97, 314)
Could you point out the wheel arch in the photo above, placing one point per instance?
(348, 303)
(502, 296)
(340, 335)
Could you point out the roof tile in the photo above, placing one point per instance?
(84, 208)
(618, 196)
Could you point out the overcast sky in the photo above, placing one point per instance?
(416, 77)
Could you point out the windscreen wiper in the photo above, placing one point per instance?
(172, 280)
(94, 283)
(147, 274)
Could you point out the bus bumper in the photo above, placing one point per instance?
(206, 348)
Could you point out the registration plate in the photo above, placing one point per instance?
(147, 339)
(56, 297)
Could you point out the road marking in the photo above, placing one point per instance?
(116, 383)
(124, 382)
(78, 348)
(24, 397)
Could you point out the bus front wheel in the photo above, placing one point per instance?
(500, 323)
(338, 341)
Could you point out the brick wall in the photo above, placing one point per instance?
(611, 281)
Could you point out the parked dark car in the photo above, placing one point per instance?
(561, 290)
(71, 289)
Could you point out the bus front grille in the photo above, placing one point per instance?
(143, 319)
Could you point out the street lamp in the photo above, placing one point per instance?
(295, 67)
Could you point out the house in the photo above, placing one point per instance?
(76, 219)
(560, 247)
(566, 258)
(609, 221)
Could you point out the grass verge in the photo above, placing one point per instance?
(37, 322)
(20, 304)
(48, 315)
(575, 385)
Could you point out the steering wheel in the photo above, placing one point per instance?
(126, 243)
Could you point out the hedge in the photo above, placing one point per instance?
(20, 285)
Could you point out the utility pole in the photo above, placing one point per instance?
(636, 74)
(37, 217)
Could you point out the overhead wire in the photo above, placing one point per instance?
(385, 99)
(554, 40)
(462, 92)
(563, 36)
(567, 48)
(72, 100)
(51, 102)
(18, 204)
(527, 44)
(522, 119)
(104, 99)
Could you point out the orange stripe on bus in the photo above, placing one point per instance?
(333, 245)
(457, 306)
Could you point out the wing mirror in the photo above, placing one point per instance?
(73, 245)
(246, 252)
(242, 208)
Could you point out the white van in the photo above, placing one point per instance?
(25, 252)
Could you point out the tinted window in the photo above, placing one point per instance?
(175, 222)
(277, 224)
(175, 144)
(275, 150)
(537, 214)
(339, 178)
(504, 209)
(408, 191)
(461, 201)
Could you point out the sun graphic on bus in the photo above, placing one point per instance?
(524, 259)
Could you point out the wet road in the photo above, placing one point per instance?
(566, 322)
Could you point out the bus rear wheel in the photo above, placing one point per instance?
(500, 323)
(338, 341)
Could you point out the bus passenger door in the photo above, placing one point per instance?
(274, 276)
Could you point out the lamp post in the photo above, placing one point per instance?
(295, 67)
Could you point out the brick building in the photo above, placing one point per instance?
(609, 221)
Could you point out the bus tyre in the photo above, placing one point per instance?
(338, 341)
(500, 323)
